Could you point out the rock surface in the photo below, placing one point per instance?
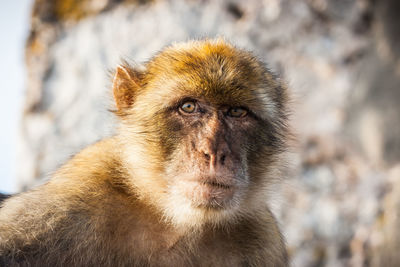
(332, 209)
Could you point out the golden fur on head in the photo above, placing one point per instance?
(219, 73)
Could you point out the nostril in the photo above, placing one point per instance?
(207, 156)
(222, 159)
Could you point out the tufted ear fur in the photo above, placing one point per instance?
(125, 86)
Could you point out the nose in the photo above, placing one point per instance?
(213, 145)
(214, 151)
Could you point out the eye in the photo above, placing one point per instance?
(237, 112)
(188, 107)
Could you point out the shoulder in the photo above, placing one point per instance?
(95, 161)
(57, 221)
(78, 196)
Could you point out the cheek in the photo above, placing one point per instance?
(184, 160)
(261, 153)
(170, 135)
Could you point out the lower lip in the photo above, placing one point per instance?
(204, 194)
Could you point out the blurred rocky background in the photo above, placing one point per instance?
(340, 205)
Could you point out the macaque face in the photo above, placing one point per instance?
(211, 130)
(208, 166)
(210, 121)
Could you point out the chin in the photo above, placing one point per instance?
(195, 204)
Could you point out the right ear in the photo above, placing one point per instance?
(125, 86)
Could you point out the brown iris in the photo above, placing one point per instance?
(237, 112)
(188, 107)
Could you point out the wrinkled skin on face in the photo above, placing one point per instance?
(215, 123)
(209, 165)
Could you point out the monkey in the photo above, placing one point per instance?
(201, 137)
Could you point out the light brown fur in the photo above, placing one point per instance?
(124, 201)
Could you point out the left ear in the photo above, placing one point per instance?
(125, 86)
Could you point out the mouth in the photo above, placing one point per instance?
(208, 194)
(217, 185)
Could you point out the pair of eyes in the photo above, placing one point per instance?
(236, 112)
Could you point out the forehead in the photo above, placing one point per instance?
(218, 73)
